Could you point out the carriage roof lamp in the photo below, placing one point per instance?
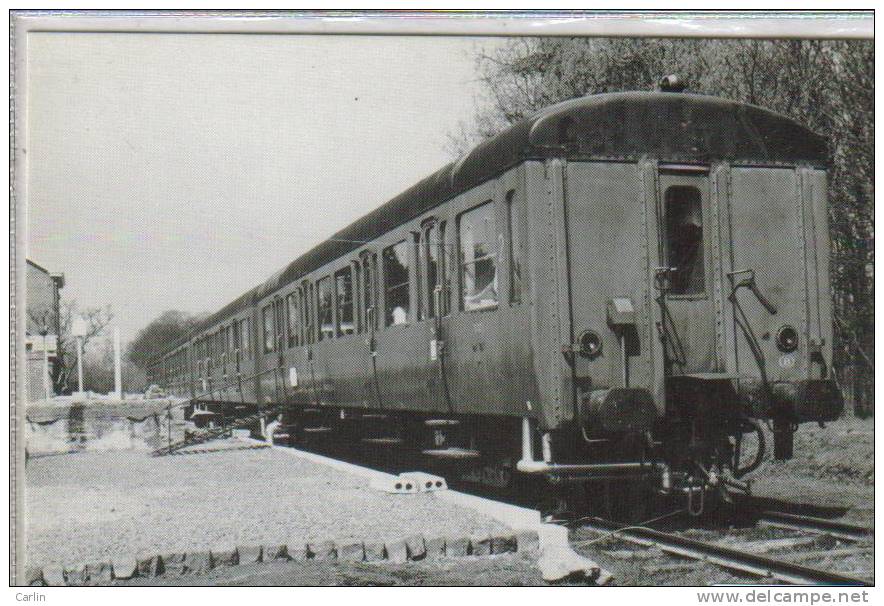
(672, 84)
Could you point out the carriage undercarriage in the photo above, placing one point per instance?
(695, 459)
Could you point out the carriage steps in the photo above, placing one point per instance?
(383, 441)
(441, 422)
(453, 453)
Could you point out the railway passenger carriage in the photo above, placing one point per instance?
(622, 285)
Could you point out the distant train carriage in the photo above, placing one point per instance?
(620, 286)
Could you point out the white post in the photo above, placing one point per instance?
(79, 329)
(118, 381)
(80, 363)
(527, 441)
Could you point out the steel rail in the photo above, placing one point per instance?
(726, 557)
(839, 530)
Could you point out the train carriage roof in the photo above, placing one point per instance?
(615, 126)
(626, 126)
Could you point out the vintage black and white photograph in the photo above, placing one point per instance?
(442, 299)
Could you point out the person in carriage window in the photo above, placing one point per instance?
(684, 240)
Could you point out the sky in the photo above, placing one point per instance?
(176, 171)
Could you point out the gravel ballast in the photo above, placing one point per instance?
(91, 506)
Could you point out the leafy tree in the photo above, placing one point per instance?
(155, 339)
(827, 85)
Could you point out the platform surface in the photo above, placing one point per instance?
(91, 505)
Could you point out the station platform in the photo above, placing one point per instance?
(91, 505)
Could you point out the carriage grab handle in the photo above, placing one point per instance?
(749, 282)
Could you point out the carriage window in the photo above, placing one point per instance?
(245, 338)
(324, 308)
(516, 224)
(279, 322)
(478, 258)
(292, 318)
(446, 263)
(418, 278)
(344, 296)
(431, 261)
(369, 288)
(306, 326)
(684, 240)
(309, 312)
(235, 335)
(397, 299)
(268, 328)
(357, 301)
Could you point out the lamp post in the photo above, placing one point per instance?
(44, 330)
(118, 378)
(79, 329)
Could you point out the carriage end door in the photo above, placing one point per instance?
(683, 281)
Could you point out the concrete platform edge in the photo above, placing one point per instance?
(552, 536)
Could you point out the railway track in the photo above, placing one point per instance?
(730, 557)
(839, 530)
(733, 558)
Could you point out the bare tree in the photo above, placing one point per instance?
(97, 319)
